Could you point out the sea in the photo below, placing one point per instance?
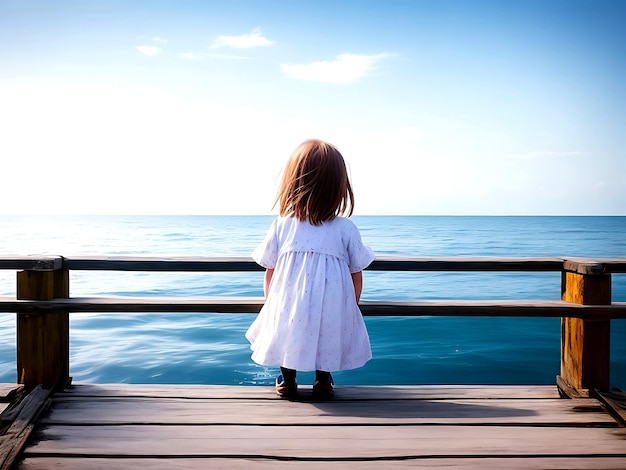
(201, 348)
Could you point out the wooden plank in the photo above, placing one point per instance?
(452, 427)
(361, 392)
(496, 308)
(345, 442)
(567, 391)
(381, 263)
(549, 412)
(461, 263)
(34, 262)
(595, 265)
(15, 437)
(9, 391)
(236, 463)
(615, 400)
(160, 264)
(29, 409)
(128, 304)
(584, 267)
(11, 447)
(468, 308)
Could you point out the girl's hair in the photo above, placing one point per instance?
(315, 184)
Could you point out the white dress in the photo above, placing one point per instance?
(310, 320)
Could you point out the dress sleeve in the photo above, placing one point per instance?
(359, 255)
(266, 254)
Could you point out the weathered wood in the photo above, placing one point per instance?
(360, 392)
(585, 343)
(381, 263)
(135, 304)
(584, 267)
(586, 289)
(127, 426)
(235, 463)
(12, 445)
(567, 391)
(31, 263)
(327, 442)
(495, 308)
(461, 263)
(470, 308)
(615, 401)
(9, 391)
(595, 265)
(43, 338)
(161, 264)
(397, 426)
(179, 411)
(14, 439)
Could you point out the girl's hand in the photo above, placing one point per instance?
(268, 278)
(357, 280)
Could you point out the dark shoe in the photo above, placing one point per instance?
(323, 389)
(286, 389)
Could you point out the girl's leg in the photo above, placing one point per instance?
(322, 376)
(289, 375)
(286, 385)
(323, 386)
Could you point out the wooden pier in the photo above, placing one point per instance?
(47, 423)
(161, 427)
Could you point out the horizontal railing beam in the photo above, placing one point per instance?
(442, 308)
(196, 264)
(31, 263)
(456, 264)
(381, 263)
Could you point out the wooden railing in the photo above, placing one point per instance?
(43, 305)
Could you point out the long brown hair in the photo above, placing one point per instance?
(315, 184)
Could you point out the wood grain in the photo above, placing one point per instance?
(174, 426)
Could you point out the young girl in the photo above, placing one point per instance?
(313, 257)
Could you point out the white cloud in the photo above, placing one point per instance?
(191, 56)
(244, 41)
(159, 40)
(150, 51)
(346, 68)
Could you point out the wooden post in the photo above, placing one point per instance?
(43, 347)
(585, 344)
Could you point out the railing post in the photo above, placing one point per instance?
(43, 338)
(585, 344)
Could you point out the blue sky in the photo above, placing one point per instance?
(449, 107)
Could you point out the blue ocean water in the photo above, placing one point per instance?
(211, 348)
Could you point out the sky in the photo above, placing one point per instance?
(439, 107)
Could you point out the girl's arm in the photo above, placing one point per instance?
(268, 278)
(357, 280)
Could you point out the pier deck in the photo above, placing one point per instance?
(197, 427)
